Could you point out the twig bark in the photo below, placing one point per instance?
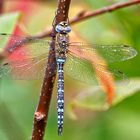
(104, 10)
(41, 114)
(1, 6)
(82, 16)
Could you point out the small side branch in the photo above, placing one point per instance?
(41, 114)
(108, 9)
(83, 15)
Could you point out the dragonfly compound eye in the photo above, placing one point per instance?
(62, 28)
(68, 29)
(59, 28)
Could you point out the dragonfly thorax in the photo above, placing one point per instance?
(61, 53)
(62, 40)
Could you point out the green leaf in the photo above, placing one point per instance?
(8, 23)
(95, 98)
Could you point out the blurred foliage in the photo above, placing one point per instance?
(8, 23)
(18, 99)
(94, 98)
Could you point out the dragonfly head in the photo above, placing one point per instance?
(63, 28)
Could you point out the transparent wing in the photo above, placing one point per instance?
(82, 70)
(24, 46)
(27, 57)
(28, 69)
(111, 53)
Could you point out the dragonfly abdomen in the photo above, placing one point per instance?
(60, 95)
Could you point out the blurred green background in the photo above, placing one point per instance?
(18, 99)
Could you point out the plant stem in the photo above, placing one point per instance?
(1, 6)
(41, 114)
(83, 15)
(103, 10)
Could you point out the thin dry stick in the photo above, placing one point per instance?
(41, 114)
(1, 6)
(82, 17)
(103, 10)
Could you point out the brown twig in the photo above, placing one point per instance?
(103, 10)
(86, 15)
(1, 6)
(41, 113)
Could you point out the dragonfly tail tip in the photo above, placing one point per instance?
(60, 131)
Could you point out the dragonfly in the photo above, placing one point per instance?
(32, 55)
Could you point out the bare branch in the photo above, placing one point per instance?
(1, 6)
(103, 10)
(41, 114)
(83, 15)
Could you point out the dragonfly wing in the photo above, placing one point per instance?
(28, 69)
(28, 47)
(111, 53)
(27, 57)
(83, 70)
(80, 69)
